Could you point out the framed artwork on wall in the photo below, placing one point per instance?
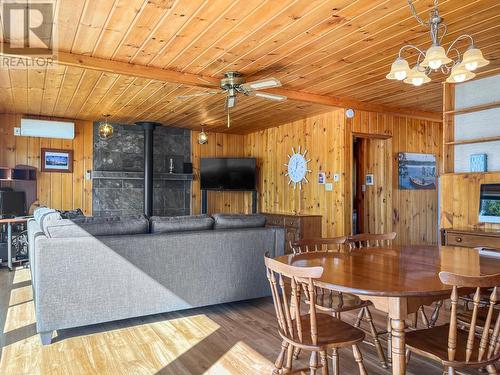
(478, 163)
(56, 160)
(416, 171)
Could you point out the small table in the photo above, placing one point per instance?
(397, 279)
(9, 222)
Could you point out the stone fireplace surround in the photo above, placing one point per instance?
(118, 175)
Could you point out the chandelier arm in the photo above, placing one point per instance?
(444, 32)
(412, 47)
(461, 37)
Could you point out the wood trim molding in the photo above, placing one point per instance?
(172, 76)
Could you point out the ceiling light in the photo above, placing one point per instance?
(266, 95)
(436, 57)
(459, 74)
(105, 129)
(473, 59)
(399, 69)
(417, 77)
(202, 137)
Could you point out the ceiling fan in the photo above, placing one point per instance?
(234, 83)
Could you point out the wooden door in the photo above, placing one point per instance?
(373, 201)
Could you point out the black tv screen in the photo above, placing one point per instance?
(489, 204)
(227, 173)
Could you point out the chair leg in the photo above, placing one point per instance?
(491, 369)
(389, 340)
(408, 356)
(335, 361)
(359, 360)
(278, 365)
(289, 359)
(435, 313)
(324, 363)
(376, 341)
(450, 371)
(360, 318)
(313, 363)
(296, 353)
(424, 318)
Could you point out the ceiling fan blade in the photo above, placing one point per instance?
(266, 95)
(261, 84)
(206, 93)
(230, 101)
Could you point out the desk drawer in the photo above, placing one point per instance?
(470, 240)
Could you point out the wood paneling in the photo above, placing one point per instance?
(218, 145)
(459, 200)
(63, 191)
(328, 139)
(342, 49)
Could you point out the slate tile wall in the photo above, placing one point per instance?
(124, 153)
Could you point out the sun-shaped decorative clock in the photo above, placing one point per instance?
(297, 168)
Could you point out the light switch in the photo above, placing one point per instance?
(336, 177)
(329, 186)
(17, 131)
(88, 175)
(363, 188)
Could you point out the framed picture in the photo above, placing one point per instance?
(321, 178)
(416, 171)
(54, 160)
(369, 179)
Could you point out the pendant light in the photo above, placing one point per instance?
(459, 68)
(202, 137)
(105, 129)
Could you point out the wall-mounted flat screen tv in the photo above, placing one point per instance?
(489, 204)
(228, 173)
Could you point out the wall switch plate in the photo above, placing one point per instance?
(329, 186)
(363, 188)
(17, 131)
(88, 175)
(336, 177)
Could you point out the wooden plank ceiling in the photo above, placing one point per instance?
(338, 48)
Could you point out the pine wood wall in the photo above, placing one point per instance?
(328, 139)
(219, 145)
(460, 199)
(58, 190)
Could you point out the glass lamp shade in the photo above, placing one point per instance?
(399, 69)
(105, 130)
(473, 59)
(435, 57)
(417, 77)
(460, 74)
(202, 137)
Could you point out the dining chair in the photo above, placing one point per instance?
(458, 347)
(337, 302)
(313, 331)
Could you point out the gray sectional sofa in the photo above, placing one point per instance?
(92, 270)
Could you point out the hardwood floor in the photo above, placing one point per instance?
(236, 338)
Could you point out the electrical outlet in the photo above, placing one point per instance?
(329, 186)
(336, 177)
(17, 131)
(88, 175)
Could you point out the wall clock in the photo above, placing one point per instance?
(297, 168)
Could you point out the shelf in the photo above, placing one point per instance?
(17, 174)
(474, 140)
(476, 108)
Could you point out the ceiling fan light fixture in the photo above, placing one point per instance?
(105, 129)
(399, 69)
(473, 59)
(266, 95)
(231, 101)
(435, 56)
(460, 74)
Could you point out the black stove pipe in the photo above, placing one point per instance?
(149, 128)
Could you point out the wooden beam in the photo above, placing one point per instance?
(448, 127)
(172, 76)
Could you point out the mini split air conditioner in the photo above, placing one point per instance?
(46, 129)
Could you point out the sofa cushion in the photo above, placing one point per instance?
(181, 223)
(226, 221)
(98, 226)
(45, 215)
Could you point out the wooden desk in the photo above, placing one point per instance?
(397, 279)
(9, 223)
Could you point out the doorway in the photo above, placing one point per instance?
(371, 183)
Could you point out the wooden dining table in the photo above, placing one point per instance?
(396, 279)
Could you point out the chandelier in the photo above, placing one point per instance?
(458, 67)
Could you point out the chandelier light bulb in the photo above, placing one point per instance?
(399, 69)
(417, 81)
(473, 59)
(460, 77)
(417, 77)
(202, 137)
(459, 73)
(435, 57)
(435, 64)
